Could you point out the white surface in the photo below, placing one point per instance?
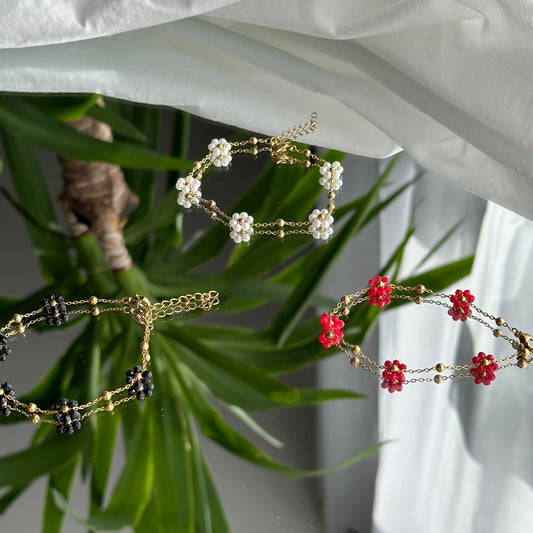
(448, 81)
(460, 455)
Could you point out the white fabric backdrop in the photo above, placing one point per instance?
(450, 82)
(459, 457)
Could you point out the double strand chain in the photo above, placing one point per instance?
(460, 305)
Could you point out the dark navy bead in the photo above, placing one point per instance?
(55, 310)
(67, 417)
(5, 350)
(139, 379)
(7, 398)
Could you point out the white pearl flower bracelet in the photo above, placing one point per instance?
(282, 151)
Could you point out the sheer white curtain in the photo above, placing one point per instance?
(449, 82)
(459, 457)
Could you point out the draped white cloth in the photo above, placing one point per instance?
(447, 81)
(459, 454)
(450, 82)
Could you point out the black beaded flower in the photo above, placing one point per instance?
(141, 384)
(6, 404)
(5, 350)
(55, 310)
(67, 417)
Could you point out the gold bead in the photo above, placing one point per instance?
(32, 408)
(307, 152)
(147, 357)
(280, 222)
(197, 165)
(21, 329)
(500, 321)
(345, 311)
(497, 332)
(354, 361)
(521, 363)
(331, 195)
(93, 300)
(212, 204)
(106, 396)
(307, 163)
(17, 318)
(138, 376)
(65, 409)
(380, 284)
(394, 368)
(144, 346)
(212, 215)
(345, 299)
(356, 350)
(254, 151)
(2, 392)
(420, 289)
(109, 406)
(418, 300)
(95, 311)
(281, 234)
(35, 419)
(253, 140)
(53, 303)
(438, 379)
(440, 367)
(486, 362)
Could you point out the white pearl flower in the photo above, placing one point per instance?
(219, 152)
(190, 193)
(331, 176)
(321, 222)
(241, 225)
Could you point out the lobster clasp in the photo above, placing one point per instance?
(279, 150)
(525, 349)
(140, 308)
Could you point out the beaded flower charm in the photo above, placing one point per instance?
(321, 221)
(140, 382)
(219, 152)
(331, 176)
(483, 369)
(190, 193)
(67, 416)
(379, 290)
(461, 301)
(7, 398)
(241, 226)
(331, 331)
(5, 350)
(393, 376)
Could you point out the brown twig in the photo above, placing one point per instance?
(94, 196)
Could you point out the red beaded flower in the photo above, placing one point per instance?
(393, 376)
(379, 290)
(483, 371)
(461, 301)
(331, 330)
